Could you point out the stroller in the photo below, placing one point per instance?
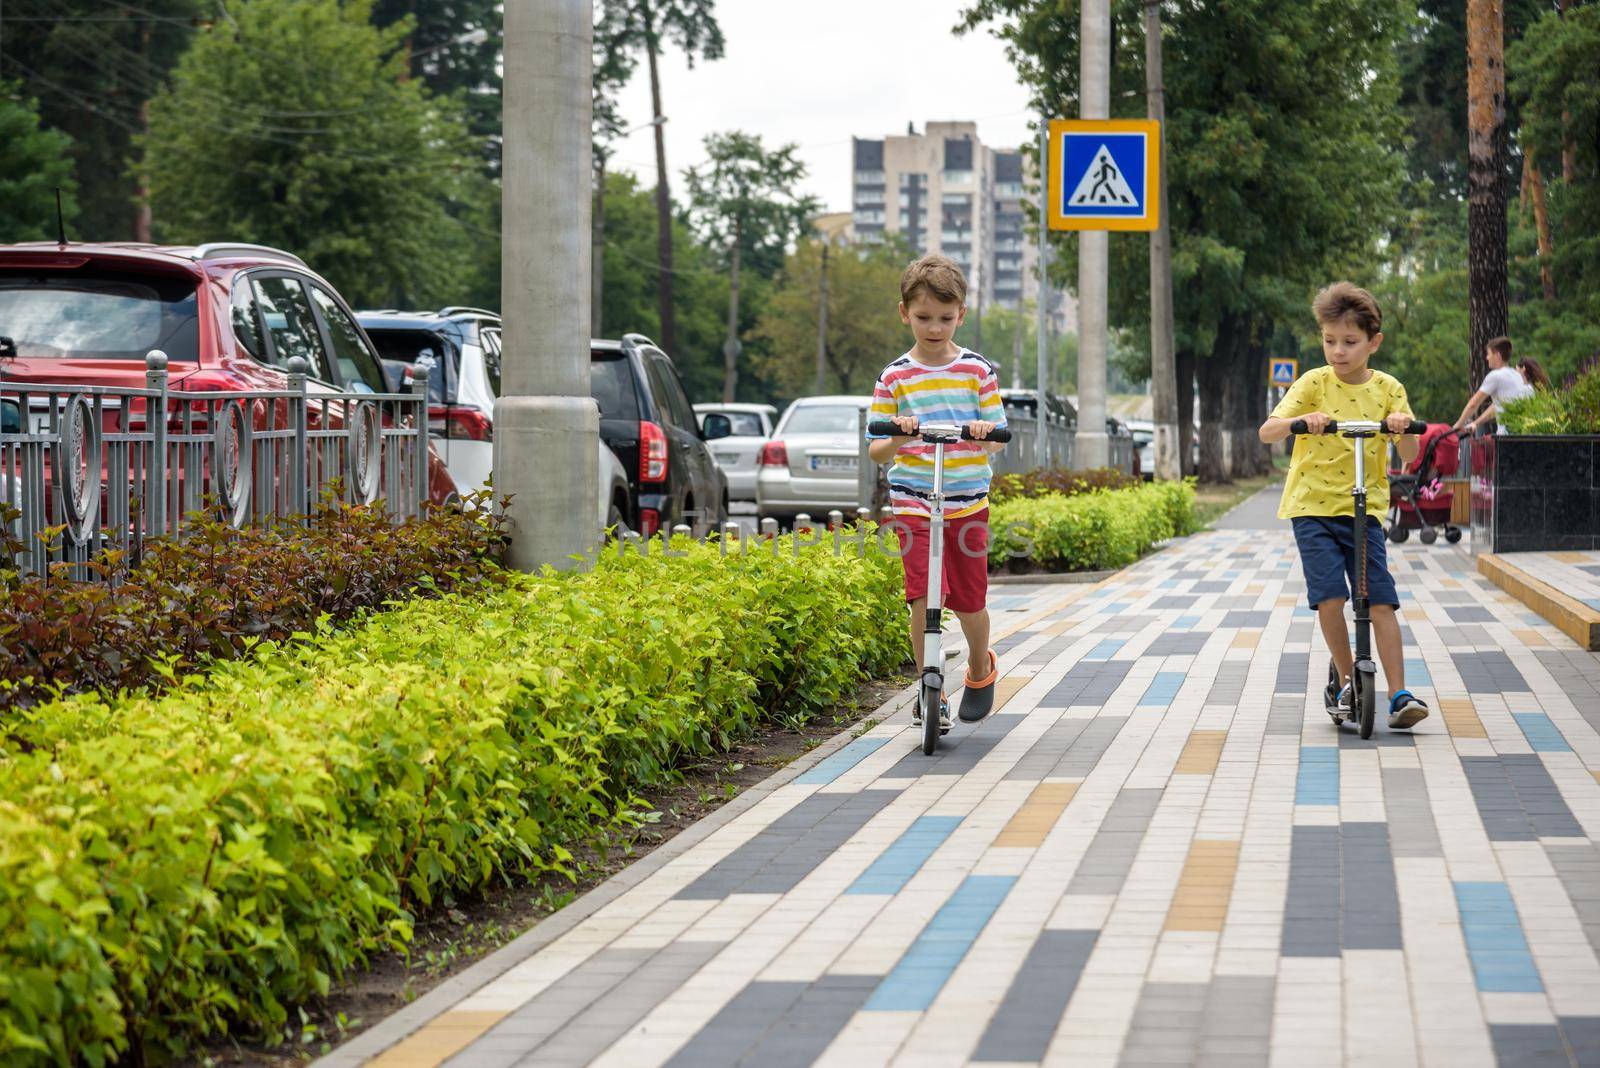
(1418, 499)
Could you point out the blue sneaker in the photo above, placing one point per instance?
(1405, 710)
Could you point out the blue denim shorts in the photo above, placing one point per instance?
(1328, 559)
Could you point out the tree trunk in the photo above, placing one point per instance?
(1183, 372)
(1541, 219)
(1232, 403)
(142, 215)
(669, 330)
(1163, 399)
(1569, 151)
(597, 252)
(1486, 186)
(822, 322)
(730, 344)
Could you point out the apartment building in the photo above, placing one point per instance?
(945, 191)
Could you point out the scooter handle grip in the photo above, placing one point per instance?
(1001, 434)
(1417, 426)
(1299, 427)
(884, 427)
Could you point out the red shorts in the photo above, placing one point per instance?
(965, 574)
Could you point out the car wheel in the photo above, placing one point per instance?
(616, 519)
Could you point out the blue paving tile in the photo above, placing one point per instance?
(1592, 602)
(1501, 962)
(922, 972)
(1106, 649)
(896, 865)
(1115, 606)
(841, 762)
(1417, 673)
(1542, 734)
(1163, 688)
(1170, 584)
(1186, 622)
(1317, 782)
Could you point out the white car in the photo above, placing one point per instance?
(810, 463)
(737, 452)
(1144, 445)
(461, 348)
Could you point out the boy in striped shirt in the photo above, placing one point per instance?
(938, 381)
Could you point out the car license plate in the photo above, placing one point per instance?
(725, 457)
(833, 463)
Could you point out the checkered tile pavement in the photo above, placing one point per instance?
(1159, 851)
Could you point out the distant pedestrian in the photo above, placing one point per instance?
(1533, 373)
(1500, 387)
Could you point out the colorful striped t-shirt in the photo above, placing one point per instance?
(957, 392)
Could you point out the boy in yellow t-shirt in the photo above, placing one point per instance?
(1317, 499)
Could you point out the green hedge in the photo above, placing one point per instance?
(1572, 409)
(1094, 531)
(197, 862)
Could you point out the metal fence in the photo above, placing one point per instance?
(93, 468)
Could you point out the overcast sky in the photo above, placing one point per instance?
(818, 72)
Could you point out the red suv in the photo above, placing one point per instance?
(228, 316)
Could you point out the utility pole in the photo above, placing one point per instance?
(1042, 382)
(1094, 102)
(1016, 348)
(822, 322)
(1164, 384)
(546, 423)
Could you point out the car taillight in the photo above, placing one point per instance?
(774, 454)
(462, 424)
(652, 452)
(649, 522)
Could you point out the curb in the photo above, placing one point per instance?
(1051, 579)
(1568, 614)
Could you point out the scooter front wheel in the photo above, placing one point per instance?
(1366, 684)
(930, 719)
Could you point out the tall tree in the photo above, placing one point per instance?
(1282, 164)
(454, 46)
(33, 166)
(613, 67)
(92, 66)
(692, 26)
(743, 199)
(1486, 180)
(364, 174)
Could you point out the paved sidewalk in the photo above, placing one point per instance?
(1158, 852)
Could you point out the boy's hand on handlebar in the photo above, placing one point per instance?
(1397, 422)
(908, 424)
(979, 429)
(1316, 422)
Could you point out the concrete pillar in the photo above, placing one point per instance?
(1094, 91)
(546, 424)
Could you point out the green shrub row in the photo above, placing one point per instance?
(192, 863)
(1572, 409)
(219, 590)
(1062, 480)
(1095, 531)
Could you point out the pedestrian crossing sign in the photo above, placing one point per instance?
(1105, 174)
(1284, 372)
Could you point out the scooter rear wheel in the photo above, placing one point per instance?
(930, 719)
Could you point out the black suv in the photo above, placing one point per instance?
(646, 418)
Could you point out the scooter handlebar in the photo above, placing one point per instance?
(1416, 426)
(889, 428)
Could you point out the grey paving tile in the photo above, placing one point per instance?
(1105, 863)
(1578, 867)
(959, 751)
(782, 853)
(1245, 618)
(1022, 1026)
(1088, 682)
(1293, 668)
(1489, 671)
(1529, 1046)
(1412, 830)
(1517, 800)
(1173, 643)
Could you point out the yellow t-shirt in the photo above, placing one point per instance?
(1322, 468)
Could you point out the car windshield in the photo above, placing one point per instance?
(745, 424)
(100, 315)
(611, 385)
(408, 346)
(824, 419)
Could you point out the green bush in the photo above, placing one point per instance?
(219, 590)
(1062, 480)
(1095, 531)
(1573, 409)
(195, 863)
